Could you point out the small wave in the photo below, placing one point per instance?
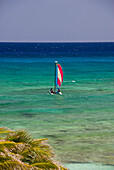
(73, 81)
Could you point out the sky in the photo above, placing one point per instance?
(56, 20)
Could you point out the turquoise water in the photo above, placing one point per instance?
(88, 167)
(80, 123)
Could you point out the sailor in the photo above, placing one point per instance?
(51, 90)
(58, 90)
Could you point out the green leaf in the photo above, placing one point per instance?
(46, 165)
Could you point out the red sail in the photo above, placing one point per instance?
(59, 75)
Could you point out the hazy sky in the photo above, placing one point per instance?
(56, 20)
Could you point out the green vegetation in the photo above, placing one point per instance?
(18, 150)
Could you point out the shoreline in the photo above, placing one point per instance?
(88, 166)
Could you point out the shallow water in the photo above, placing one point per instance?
(88, 167)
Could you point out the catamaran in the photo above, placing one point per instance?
(58, 79)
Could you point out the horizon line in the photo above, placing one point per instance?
(56, 41)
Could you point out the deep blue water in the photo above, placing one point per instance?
(75, 49)
(65, 52)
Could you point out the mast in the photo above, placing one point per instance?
(55, 86)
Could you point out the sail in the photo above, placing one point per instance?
(59, 75)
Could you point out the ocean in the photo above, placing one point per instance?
(79, 124)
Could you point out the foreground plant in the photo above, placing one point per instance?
(18, 150)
